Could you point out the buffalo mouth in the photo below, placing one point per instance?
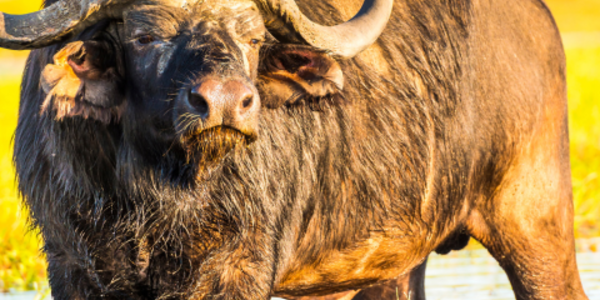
(212, 145)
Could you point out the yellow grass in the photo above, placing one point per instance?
(576, 15)
(23, 268)
(584, 121)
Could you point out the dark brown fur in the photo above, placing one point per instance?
(436, 137)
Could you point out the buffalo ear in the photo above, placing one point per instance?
(294, 75)
(83, 81)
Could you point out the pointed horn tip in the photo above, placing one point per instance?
(12, 43)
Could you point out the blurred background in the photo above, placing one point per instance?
(22, 266)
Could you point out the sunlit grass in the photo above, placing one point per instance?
(584, 121)
(22, 267)
(576, 15)
(19, 6)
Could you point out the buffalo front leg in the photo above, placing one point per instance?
(527, 225)
(406, 287)
(539, 265)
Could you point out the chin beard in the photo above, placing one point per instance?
(207, 149)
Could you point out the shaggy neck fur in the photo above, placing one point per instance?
(348, 169)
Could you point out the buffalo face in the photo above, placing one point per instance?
(191, 79)
(185, 85)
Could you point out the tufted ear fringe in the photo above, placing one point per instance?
(91, 93)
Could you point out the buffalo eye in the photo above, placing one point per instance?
(255, 42)
(145, 39)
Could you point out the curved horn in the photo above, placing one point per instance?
(48, 26)
(346, 39)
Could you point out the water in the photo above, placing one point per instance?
(471, 275)
(23, 296)
(476, 275)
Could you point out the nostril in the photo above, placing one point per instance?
(199, 103)
(247, 101)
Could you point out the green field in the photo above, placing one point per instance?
(23, 268)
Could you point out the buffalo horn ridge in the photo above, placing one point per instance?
(53, 23)
(345, 40)
(283, 18)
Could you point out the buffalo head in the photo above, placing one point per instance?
(187, 78)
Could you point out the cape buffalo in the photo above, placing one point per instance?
(243, 149)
